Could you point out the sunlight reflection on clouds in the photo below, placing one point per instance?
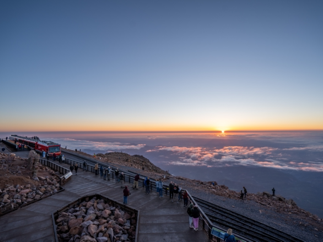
(239, 155)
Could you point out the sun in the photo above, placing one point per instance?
(222, 131)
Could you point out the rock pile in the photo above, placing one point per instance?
(13, 197)
(94, 220)
(16, 186)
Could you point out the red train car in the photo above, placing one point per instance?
(38, 145)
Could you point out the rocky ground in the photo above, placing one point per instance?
(95, 221)
(276, 211)
(17, 188)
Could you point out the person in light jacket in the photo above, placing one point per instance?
(159, 185)
(229, 237)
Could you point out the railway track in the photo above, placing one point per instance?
(242, 225)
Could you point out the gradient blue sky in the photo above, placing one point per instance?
(161, 65)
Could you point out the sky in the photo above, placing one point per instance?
(161, 65)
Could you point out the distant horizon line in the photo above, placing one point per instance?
(195, 131)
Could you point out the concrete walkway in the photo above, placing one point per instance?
(160, 219)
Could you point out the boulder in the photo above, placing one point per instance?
(75, 222)
(90, 217)
(106, 213)
(86, 223)
(75, 230)
(87, 238)
(101, 239)
(92, 229)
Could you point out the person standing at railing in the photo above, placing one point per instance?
(136, 182)
(109, 173)
(190, 216)
(71, 167)
(147, 186)
(229, 237)
(122, 179)
(96, 169)
(47, 156)
(159, 185)
(185, 197)
(196, 215)
(171, 190)
(179, 194)
(104, 173)
(117, 175)
(84, 166)
(101, 171)
(76, 166)
(175, 190)
(44, 154)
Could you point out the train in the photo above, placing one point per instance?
(38, 145)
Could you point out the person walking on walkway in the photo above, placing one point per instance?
(185, 197)
(84, 166)
(245, 192)
(96, 169)
(126, 193)
(229, 237)
(76, 166)
(54, 157)
(171, 190)
(147, 186)
(101, 171)
(136, 182)
(122, 179)
(59, 158)
(273, 191)
(196, 215)
(71, 167)
(190, 216)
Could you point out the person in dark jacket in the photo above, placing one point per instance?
(126, 193)
(245, 192)
(101, 171)
(71, 168)
(84, 166)
(148, 185)
(171, 190)
(190, 216)
(273, 191)
(229, 237)
(196, 216)
(76, 167)
(241, 195)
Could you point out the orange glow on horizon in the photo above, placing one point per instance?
(102, 126)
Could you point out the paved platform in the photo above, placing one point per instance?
(160, 219)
